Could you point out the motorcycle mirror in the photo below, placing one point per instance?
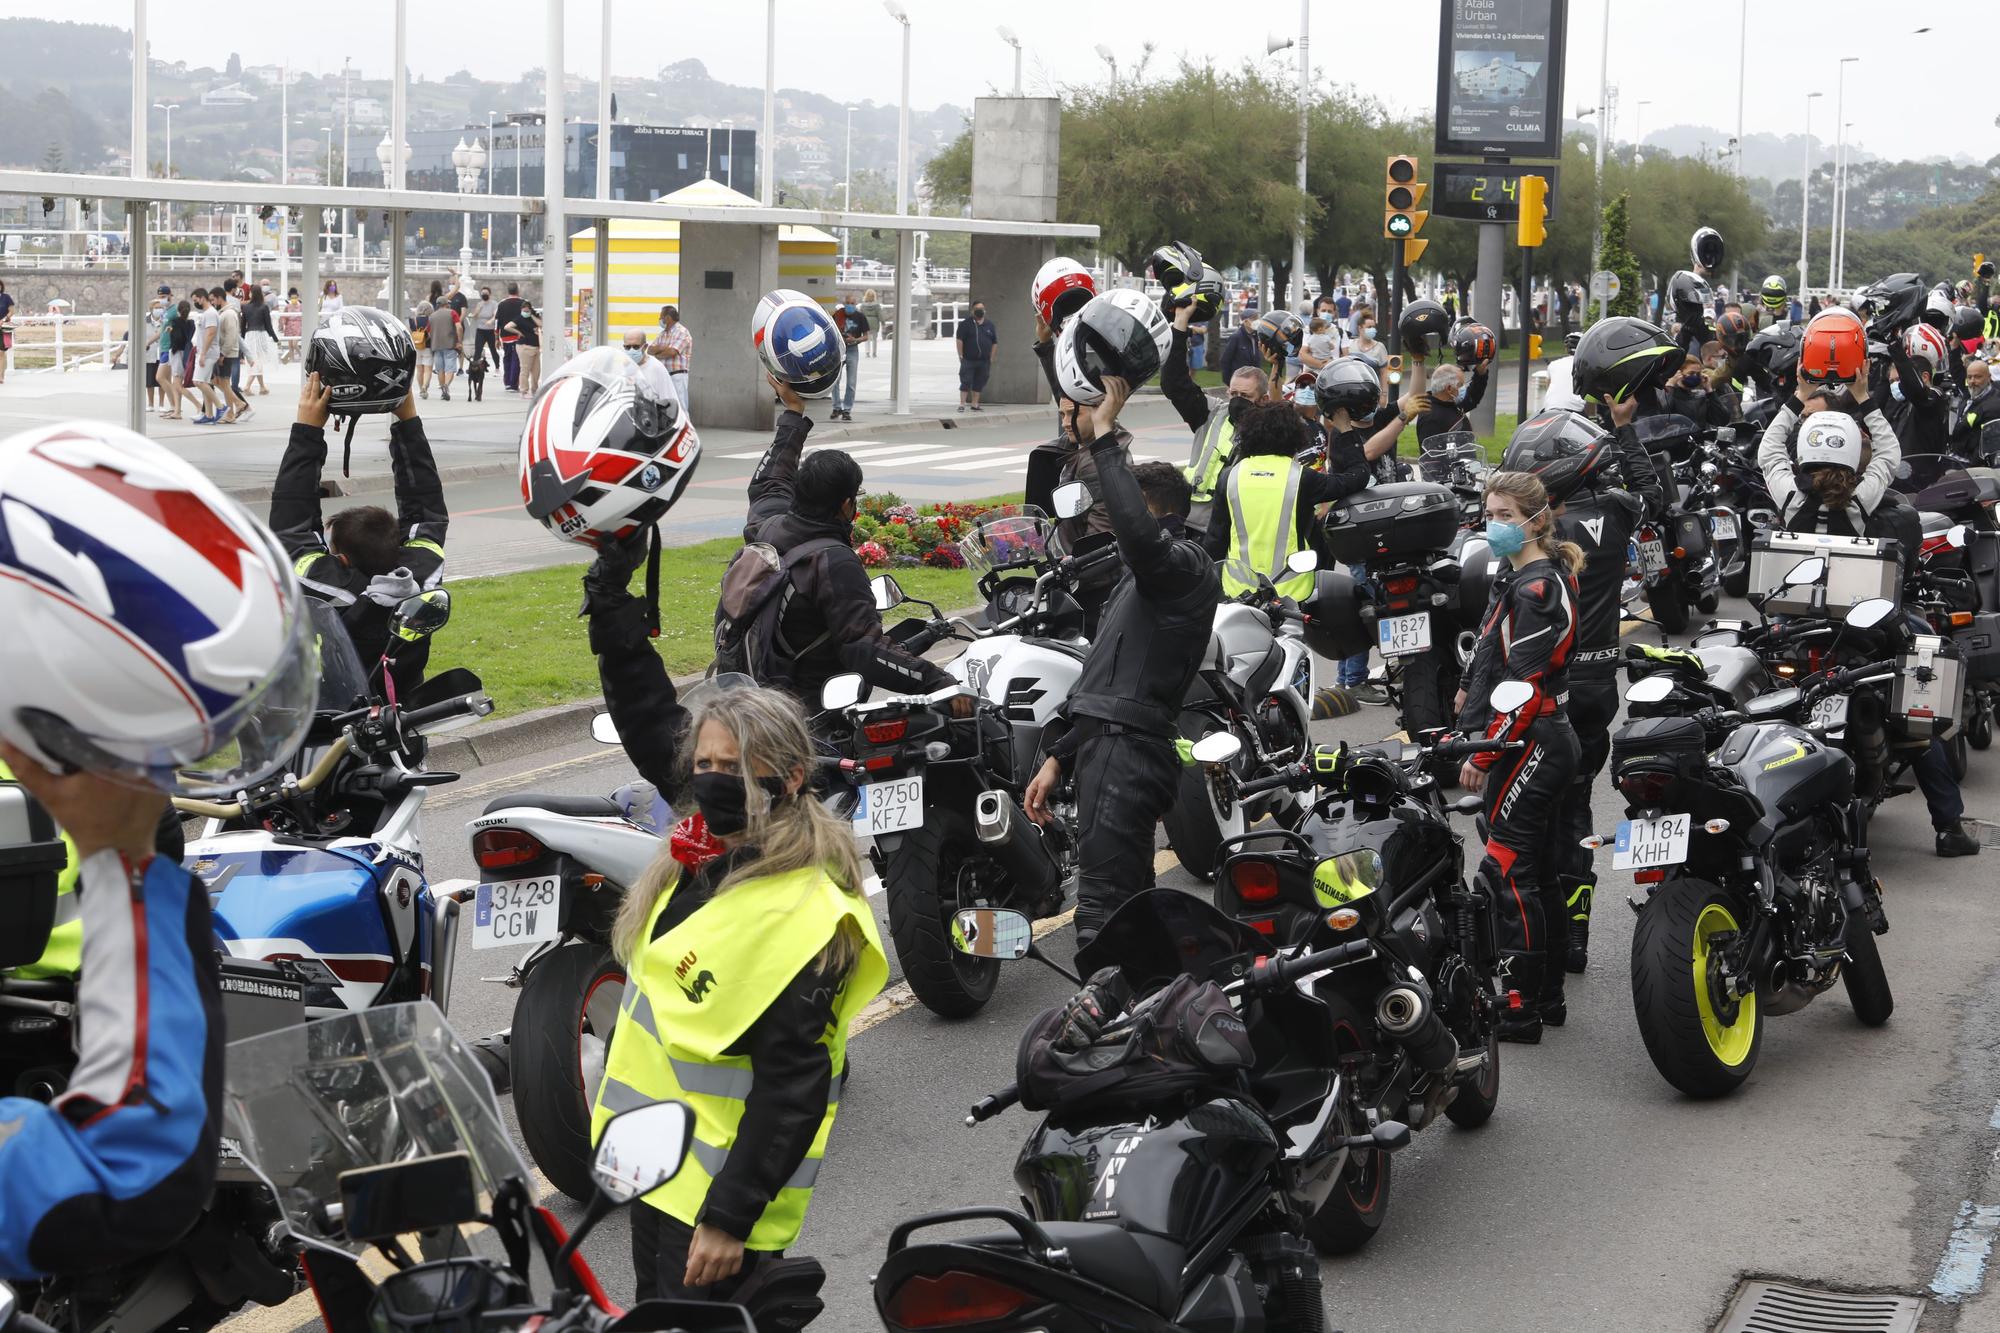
(1070, 500)
(1956, 537)
(992, 932)
(421, 616)
(7, 1306)
(1810, 570)
(1510, 696)
(1468, 805)
(1218, 747)
(1391, 1135)
(1774, 702)
(1870, 613)
(642, 1149)
(888, 592)
(842, 691)
(603, 730)
(1302, 562)
(1651, 690)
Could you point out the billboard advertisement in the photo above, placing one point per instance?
(1500, 78)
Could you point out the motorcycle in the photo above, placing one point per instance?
(376, 1124)
(1960, 565)
(1726, 484)
(1752, 857)
(1375, 857)
(1166, 1195)
(1247, 687)
(1675, 555)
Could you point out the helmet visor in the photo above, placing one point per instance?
(239, 747)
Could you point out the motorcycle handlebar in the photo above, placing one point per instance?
(1841, 680)
(993, 1103)
(1466, 749)
(477, 704)
(1269, 974)
(234, 809)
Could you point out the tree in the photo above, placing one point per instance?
(949, 173)
(1618, 257)
(234, 69)
(52, 156)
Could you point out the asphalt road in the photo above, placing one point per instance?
(1597, 1197)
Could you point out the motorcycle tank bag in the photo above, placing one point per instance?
(1401, 518)
(1183, 1037)
(1675, 743)
(32, 857)
(1333, 627)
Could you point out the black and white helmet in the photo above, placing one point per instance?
(1121, 334)
(1705, 247)
(1349, 382)
(364, 358)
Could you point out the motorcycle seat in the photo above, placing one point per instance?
(582, 807)
(1145, 1268)
(1935, 523)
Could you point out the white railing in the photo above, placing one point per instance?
(222, 258)
(73, 347)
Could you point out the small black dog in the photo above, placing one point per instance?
(475, 375)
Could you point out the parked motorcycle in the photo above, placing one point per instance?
(1752, 857)
(1726, 484)
(1171, 1191)
(1676, 557)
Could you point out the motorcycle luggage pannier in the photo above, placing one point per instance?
(1858, 568)
(1979, 647)
(1929, 690)
(1401, 518)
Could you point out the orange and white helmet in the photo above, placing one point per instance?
(1061, 288)
(607, 447)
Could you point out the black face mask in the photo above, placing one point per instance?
(724, 800)
(1237, 407)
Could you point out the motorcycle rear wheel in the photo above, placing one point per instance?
(1866, 980)
(1669, 603)
(1199, 820)
(1979, 727)
(1699, 1046)
(562, 1028)
(920, 878)
(1359, 1203)
(1956, 754)
(1475, 1103)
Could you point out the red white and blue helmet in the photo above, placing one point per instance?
(159, 635)
(798, 342)
(607, 447)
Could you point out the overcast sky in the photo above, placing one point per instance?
(1682, 58)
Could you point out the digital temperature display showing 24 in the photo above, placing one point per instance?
(1484, 193)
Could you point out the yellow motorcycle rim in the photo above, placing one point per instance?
(1730, 1041)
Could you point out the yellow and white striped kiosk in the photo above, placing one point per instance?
(646, 262)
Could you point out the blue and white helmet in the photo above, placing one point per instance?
(798, 342)
(157, 634)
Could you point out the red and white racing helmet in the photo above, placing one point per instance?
(1061, 288)
(607, 447)
(157, 635)
(1926, 346)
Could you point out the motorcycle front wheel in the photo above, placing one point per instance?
(1669, 603)
(1702, 1040)
(1866, 980)
(921, 877)
(562, 1029)
(1359, 1203)
(1202, 817)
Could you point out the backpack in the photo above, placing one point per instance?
(1183, 1038)
(756, 589)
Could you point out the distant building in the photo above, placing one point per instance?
(368, 111)
(231, 94)
(1496, 78)
(647, 161)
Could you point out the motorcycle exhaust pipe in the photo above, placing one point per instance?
(1406, 1014)
(1015, 842)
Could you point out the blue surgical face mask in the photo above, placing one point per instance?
(1509, 539)
(1896, 390)
(637, 354)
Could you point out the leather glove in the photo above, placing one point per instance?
(1093, 1009)
(605, 583)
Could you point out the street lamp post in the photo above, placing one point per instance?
(899, 365)
(1805, 201)
(169, 108)
(385, 153)
(1007, 36)
(898, 13)
(1639, 132)
(1839, 161)
(1104, 54)
(489, 194)
(346, 120)
(1840, 221)
(1603, 133)
(847, 197)
(469, 160)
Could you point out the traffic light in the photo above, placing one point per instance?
(1401, 193)
(1534, 347)
(1533, 229)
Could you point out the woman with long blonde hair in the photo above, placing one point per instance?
(750, 947)
(1529, 635)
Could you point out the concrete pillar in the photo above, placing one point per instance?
(600, 277)
(1486, 287)
(1016, 161)
(725, 270)
(140, 354)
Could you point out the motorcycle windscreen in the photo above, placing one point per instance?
(343, 680)
(304, 1104)
(1160, 933)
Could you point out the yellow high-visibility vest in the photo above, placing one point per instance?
(696, 990)
(1263, 498)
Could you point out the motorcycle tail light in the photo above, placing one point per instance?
(1263, 925)
(1648, 876)
(953, 1298)
(876, 763)
(1254, 881)
(1400, 587)
(506, 848)
(881, 733)
(1646, 787)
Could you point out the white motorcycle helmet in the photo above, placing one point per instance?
(1926, 346)
(1830, 439)
(1061, 288)
(607, 447)
(160, 636)
(1120, 333)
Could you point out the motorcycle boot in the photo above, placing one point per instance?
(1521, 974)
(1549, 1001)
(1577, 895)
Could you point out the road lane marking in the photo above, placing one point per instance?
(1962, 1270)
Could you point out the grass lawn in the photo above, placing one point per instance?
(522, 634)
